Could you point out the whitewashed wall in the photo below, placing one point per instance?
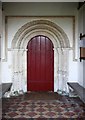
(0, 59)
(84, 33)
(0, 35)
(81, 77)
(39, 9)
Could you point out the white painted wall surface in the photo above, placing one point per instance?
(0, 36)
(0, 61)
(81, 75)
(39, 9)
(84, 33)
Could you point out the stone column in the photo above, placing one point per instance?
(59, 71)
(24, 70)
(19, 69)
(15, 71)
(63, 68)
(56, 56)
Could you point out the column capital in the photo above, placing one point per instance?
(16, 49)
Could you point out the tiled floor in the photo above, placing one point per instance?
(23, 107)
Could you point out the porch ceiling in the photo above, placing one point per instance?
(42, 0)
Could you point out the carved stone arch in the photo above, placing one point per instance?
(28, 37)
(19, 44)
(43, 25)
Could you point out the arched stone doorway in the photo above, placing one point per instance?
(61, 51)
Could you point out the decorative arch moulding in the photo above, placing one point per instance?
(40, 26)
(39, 18)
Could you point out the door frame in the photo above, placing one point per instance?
(61, 51)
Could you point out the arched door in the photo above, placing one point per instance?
(40, 64)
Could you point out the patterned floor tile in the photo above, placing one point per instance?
(18, 107)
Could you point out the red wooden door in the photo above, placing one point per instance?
(40, 64)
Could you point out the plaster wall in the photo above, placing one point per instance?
(0, 35)
(81, 77)
(0, 60)
(84, 33)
